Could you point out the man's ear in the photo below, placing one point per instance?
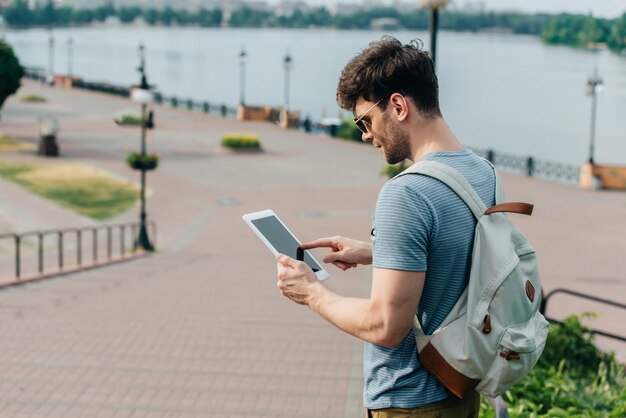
(399, 106)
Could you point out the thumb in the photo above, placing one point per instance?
(286, 261)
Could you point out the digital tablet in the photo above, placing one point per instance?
(279, 239)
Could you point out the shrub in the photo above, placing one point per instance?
(34, 98)
(573, 378)
(11, 72)
(241, 141)
(142, 162)
(393, 170)
(348, 130)
(128, 119)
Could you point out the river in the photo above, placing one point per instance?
(508, 92)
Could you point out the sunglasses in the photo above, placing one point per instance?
(360, 123)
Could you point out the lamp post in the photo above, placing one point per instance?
(70, 57)
(143, 95)
(3, 29)
(242, 75)
(434, 6)
(287, 65)
(50, 76)
(595, 86)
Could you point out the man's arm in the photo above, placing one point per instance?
(383, 319)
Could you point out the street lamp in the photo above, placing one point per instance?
(70, 52)
(434, 6)
(595, 86)
(143, 96)
(287, 65)
(242, 75)
(50, 76)
(3, 29)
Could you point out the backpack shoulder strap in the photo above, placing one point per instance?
(499, 187)
(457, 182)
(453, 179)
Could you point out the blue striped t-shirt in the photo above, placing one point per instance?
(420, 224)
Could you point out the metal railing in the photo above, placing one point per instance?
(39, 74)
(532, 167)
(544, 306)
(107, 244)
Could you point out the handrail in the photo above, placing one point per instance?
(544, 306)
(61, 234)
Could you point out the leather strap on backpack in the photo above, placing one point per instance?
(512, 207)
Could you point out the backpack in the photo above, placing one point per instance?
(494, 334)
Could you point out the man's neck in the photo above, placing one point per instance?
(433, 135)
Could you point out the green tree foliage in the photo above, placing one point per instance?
(151, 16)
(209, 18)
(17, 13)
(617, 37)
(578, 31)
(249, 18)
(11, 72)
(128, 14)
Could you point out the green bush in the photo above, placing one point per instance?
(393, 170)
(142, 162)
(128, 119)
(34, 98)
(241, 141)
(348, 130)
(572, 379)
(11, 72)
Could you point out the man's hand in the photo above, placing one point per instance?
(297, 281)
(345, 252)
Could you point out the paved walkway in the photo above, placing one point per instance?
(199, 329)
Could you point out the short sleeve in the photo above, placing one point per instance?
(403, 226)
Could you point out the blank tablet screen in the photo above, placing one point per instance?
(282, 240)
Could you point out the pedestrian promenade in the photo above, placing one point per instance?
(199, 329)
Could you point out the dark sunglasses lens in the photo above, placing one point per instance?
(361, 125)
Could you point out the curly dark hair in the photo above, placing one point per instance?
(386, 67)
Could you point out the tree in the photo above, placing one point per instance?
(18, 14)
(617, 38)
(11, 72)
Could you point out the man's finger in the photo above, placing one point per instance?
(322, 242)
(344, 266)
(334, 256)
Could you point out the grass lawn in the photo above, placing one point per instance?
(80, 188)
(10, 144)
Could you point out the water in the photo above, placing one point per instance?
(508, 92)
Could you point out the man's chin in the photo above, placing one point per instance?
(393, 160)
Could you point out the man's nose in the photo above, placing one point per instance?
(367, 136)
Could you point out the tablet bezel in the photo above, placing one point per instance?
(321, 275)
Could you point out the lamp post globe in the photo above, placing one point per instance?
(434, 6)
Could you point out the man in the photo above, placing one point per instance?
(422, 235)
